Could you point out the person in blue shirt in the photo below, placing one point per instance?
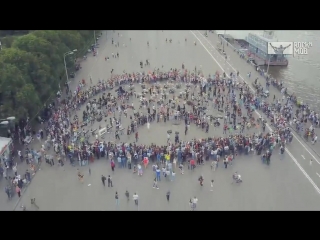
(158, 174)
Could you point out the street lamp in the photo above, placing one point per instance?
(64, 60)
(224, 38)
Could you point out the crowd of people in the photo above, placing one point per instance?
(283, 114)
(70, 139)
(160, 100)
(289, 111)
(178, 95)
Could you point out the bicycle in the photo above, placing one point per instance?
(33, 202)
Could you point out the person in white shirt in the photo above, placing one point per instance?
(314, 140)
(181, 168)
(140, 172)
(20, 155)
(213, 165)
(173, 175)
(135, 198)
(311, 127)
(211, 185)
(175, 162)
(15, 170)
(164, 171)
(195, 201)
(167, 173)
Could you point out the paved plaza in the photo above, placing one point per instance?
(280, 186)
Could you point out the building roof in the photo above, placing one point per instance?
(228, 36)
(273, 39)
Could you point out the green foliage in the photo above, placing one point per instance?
(31, 66)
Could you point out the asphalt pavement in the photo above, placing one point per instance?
(280, 186)
(300, 152)
(235, 61)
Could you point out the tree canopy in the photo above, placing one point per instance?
(31, 64)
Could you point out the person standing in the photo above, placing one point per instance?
(168, 196)
(155, 183)
(110, 181)
(117, 135)
(117, 199)
(213, 165)
(127, 195)
(310, 162)
(137, 136)
(28, 175)
(211, 185)
(158, 174)
(181, 168)
(201, 180)
(103, 179)
(15, 170)
(5, 173)
(173, 175)
(195, 202)
(135, 199)
(225, 162)
(8, 191)
(18, 191)
(112, 165)
(281, 152)
(20, 156)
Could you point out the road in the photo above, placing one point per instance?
(235, 61)
(299, 151)
(280, 186)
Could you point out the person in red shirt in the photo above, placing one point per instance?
(137, 136)
(193, 164)
(225, 127)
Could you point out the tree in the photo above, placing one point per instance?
(71, 39)
(43, 49)
(33, 70)
(28, 99)
(45, 52)
(7, 41)
(31, 66)
(13, 87)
